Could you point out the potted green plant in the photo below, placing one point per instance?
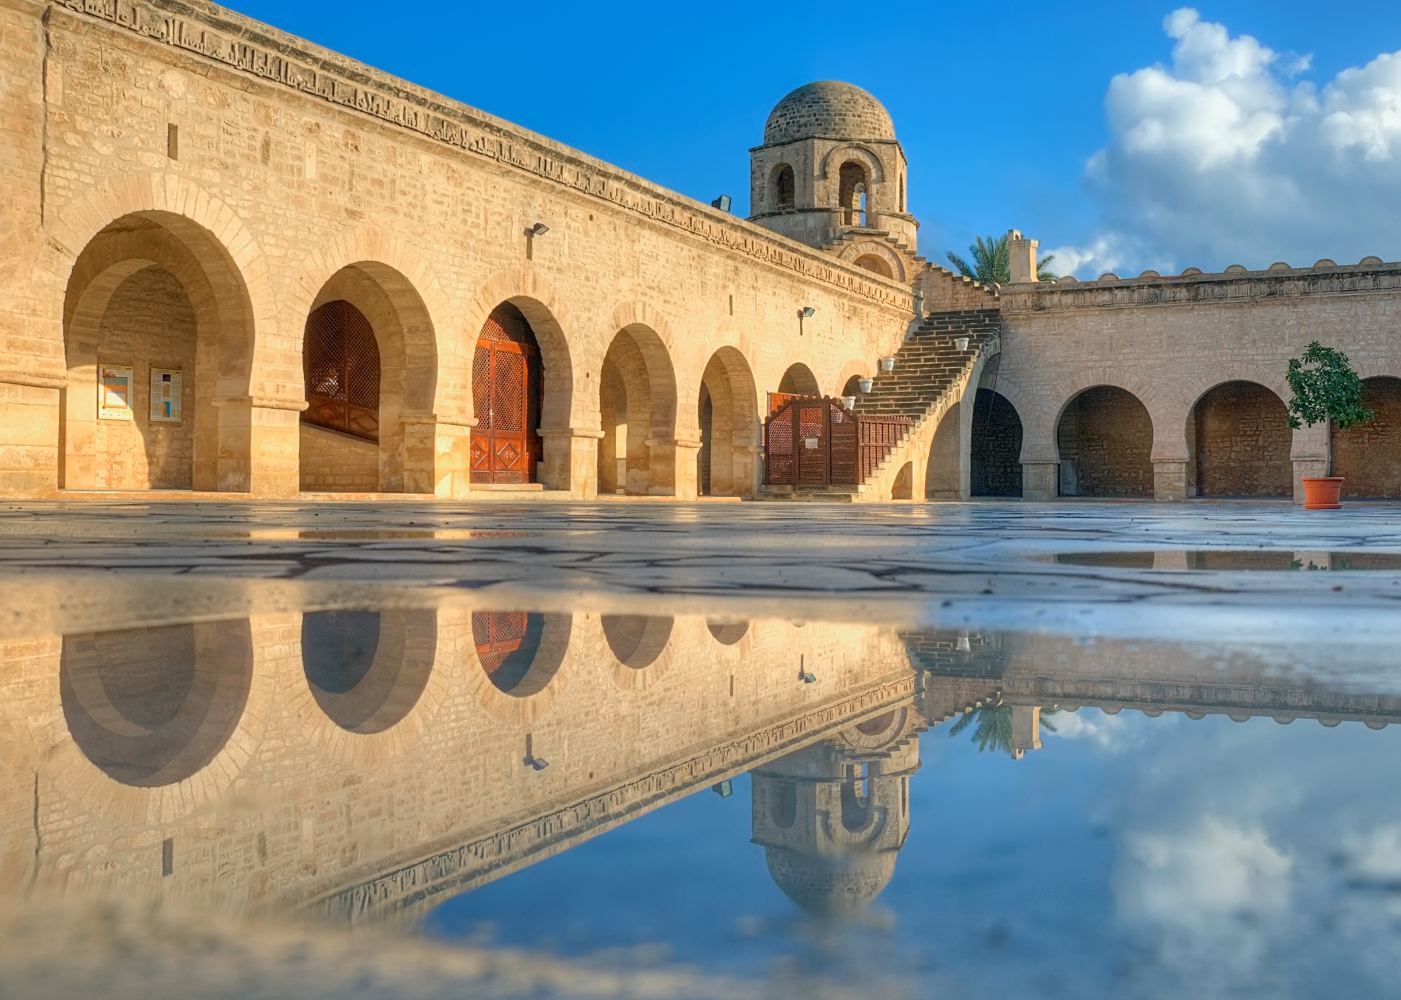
(1324, 388)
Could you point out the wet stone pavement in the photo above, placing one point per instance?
(699, 750)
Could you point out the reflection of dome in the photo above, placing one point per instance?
(828, 109)
(830, 886)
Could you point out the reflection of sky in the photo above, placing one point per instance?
(1131, 857)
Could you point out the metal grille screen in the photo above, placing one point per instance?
(340, 362)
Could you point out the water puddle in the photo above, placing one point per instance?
(1262, 560)
(590, 802)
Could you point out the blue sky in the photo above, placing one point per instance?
(1002, 116)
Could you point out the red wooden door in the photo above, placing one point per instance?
(505, 395)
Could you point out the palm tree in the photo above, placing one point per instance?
(994, 729)
(992, 264)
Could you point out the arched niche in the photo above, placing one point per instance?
(158, 330)
(154, 706)
(1369, 455)
(799, 380)
(1239, 437)
(1105, 439)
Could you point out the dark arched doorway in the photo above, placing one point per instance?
(995, 450)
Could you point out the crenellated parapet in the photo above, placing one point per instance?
(1194, 287)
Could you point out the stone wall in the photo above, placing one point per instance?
(1105, 439)
(273, 165)
(337, 463)
(1169, 340)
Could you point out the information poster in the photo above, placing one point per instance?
(165, 395)
(114, 392)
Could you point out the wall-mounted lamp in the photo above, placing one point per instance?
(806, 312)
(807, 676)
(539, 229)
(724, 789)
(722, 203)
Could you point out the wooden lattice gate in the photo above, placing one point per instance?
(506, 395)
(819, 442)
(340, 365)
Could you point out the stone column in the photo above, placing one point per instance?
(672, 467)
(29, 433)
(1170, 479)
(260, 446)
(571, 460)
(1310, 455)
(1040, 480)
(438, 455)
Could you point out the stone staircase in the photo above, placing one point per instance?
(929, 363)
(930, 374)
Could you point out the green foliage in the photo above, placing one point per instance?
(1325, 387)
(991, 262)
(994, 726)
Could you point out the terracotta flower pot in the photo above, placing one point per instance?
(1323, 494)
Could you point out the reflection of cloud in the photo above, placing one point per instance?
(1374, 856)
(1214, 870)
(1110, 733)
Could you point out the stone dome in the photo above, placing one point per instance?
(828, 109)
(830, 886)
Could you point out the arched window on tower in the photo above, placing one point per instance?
(851, 194)
(783, 187)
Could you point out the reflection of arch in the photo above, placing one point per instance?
(367, 669)
(729, 425)
(637, 405)
(158, 293)
(783, 191)
(995, 447)
(799, 380)
(1105, 440)
(858, 813)
(1239, 437)
(152, 707)
(370, 370)
(727, 633)
(636, 640)
(783, 803)
(1369, 455)
(520, 651)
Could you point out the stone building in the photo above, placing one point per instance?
(238, 263)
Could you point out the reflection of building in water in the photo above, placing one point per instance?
(833, 817)
(365, 763)
(369, 763)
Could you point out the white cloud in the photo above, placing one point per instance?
(1226, 155)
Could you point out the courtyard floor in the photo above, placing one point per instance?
(1132, 567)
